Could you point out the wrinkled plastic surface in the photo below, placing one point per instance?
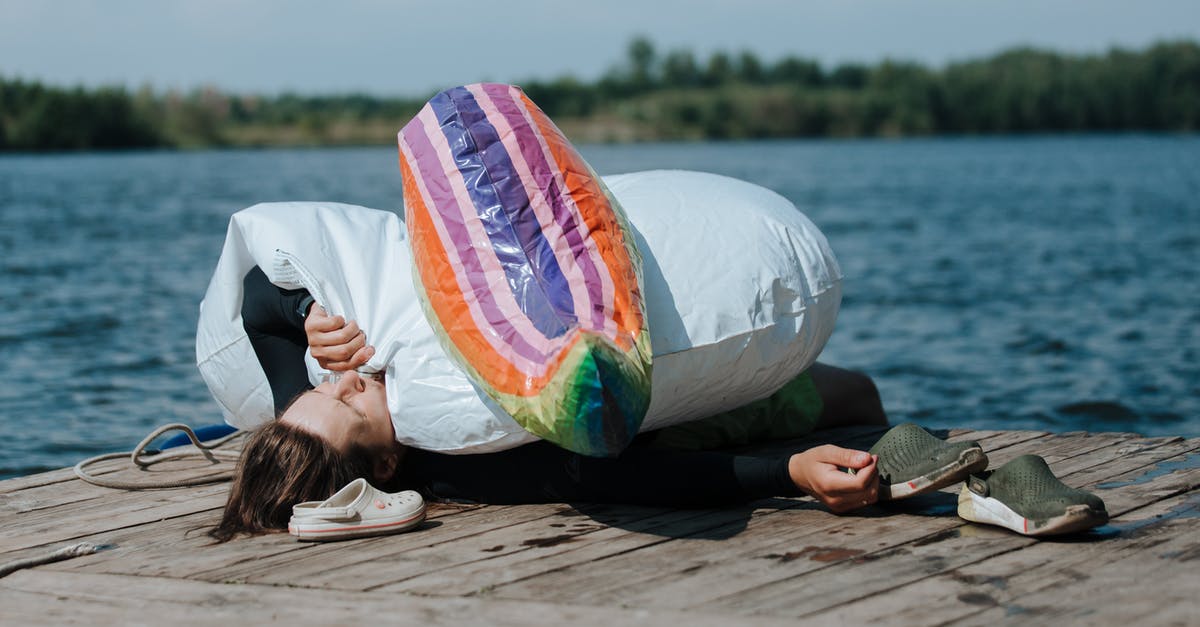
(526, 267)
(741, 294)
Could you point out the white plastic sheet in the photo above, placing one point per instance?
(742, 292)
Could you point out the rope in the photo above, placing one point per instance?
(143, 459)
(65, 553)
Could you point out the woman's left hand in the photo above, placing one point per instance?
(337, 345)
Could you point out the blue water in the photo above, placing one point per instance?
(1047, 283)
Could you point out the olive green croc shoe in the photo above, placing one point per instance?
(1025, 496)
(913, 461)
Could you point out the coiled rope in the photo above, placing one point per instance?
(144, 459)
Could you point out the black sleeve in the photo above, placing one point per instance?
(535, 473)
(542, 472)
(272, 320)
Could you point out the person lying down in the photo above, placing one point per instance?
(733, 364)
(328, 435)
(538, 333)
(333, 399)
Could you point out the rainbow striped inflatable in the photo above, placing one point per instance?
(526, 267)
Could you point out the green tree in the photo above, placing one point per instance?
(642, 58)
(849, 76)
(719, 70)
(749, 69)
(796, 71)
(679, 69)
(675, 96)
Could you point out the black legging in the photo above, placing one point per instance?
(535, 473)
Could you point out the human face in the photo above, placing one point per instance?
(352, 411)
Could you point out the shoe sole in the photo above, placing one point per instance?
(969, 461)
(317, 531)
(987, 510)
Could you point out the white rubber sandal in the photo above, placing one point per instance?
(356, 511)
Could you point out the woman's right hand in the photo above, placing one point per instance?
(819, 472)
(337, 345)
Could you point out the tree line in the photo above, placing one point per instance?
(653, 95)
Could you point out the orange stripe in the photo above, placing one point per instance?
(602, 226)
(438, 278)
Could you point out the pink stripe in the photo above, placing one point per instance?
(543, 171)
(537, 201)
(495, 278)
(438, 187)
(606, 281)
(493, 273)
(478, 317)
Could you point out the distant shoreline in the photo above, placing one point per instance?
(1031, 136)
(665, 97)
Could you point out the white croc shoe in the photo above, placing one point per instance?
(355, 511)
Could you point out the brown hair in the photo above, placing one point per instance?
(282, 465)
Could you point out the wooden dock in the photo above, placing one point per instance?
(775, 561)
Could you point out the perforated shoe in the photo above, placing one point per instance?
(1025, 496)
(355, 511)
(913, 461)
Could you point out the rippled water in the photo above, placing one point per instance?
(1045, 283)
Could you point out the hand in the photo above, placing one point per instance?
(818, 472)
(337, 345)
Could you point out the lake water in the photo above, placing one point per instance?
(1046, 283)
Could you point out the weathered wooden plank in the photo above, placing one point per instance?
(689, 570)
(1160, 535)
(36, 480)
(1145, 485)
(677, 574)
(333, 565)
(470, 543)
(1131, 456)
(1171, 603)
(959, 433)
(423, 561)
(1054, 449)
(117, 510)
(554, 549)
(125, 539)
(63, 475)
(73, 491)
(1001, 439)
(183, 550)
(1145, 575)
(42, 597)
(903, 565)
(173, 536)
(164, 548)
(626, 574)
(788, 559)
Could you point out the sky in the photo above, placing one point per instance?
(406, 48)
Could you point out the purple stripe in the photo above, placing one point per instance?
(503, 208)
(437, 184)
(543, 176)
